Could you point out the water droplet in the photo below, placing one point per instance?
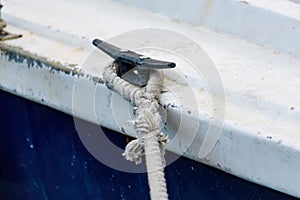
(31, 146)
(57, 187)
(192, 168)
(74, 157)
(72, 164)
(129, 186)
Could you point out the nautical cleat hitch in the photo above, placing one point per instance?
(131, 66)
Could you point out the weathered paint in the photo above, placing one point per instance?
(258, 142)
(42, 157)
(232, 153)
(20, 56)
(274, 24)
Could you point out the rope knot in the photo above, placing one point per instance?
(151, 141)
(135, 149)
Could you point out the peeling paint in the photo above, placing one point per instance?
(18, 55)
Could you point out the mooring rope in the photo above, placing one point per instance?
(150, 140)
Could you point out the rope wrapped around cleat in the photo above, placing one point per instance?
(150, 140)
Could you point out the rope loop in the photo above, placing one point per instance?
(151, 141)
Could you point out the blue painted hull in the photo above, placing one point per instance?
(42, 157)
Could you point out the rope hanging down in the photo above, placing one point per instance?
(151, 141)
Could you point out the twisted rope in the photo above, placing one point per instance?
(151, 141)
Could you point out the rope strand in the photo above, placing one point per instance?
(151, 141)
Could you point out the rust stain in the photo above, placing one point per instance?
(201, 90)
(77, 50)
(128, 139)
(206, 11)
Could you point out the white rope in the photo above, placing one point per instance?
(151, 141)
